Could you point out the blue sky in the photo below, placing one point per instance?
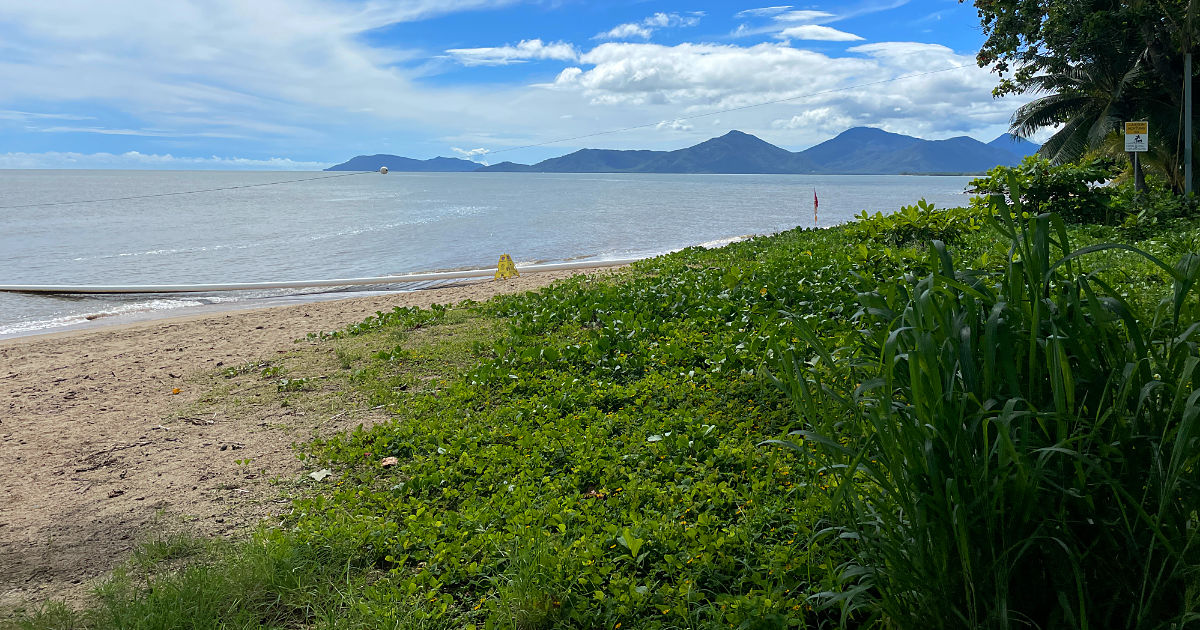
(303, 84)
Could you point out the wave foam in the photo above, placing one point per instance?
(79, 319)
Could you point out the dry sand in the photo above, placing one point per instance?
(94, 453)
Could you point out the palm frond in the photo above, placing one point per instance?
(1045, 112)
(1068, 144)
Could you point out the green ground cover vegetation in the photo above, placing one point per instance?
(980, 417)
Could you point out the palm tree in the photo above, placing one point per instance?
(1088, 100)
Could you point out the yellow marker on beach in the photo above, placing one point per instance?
(506, 269)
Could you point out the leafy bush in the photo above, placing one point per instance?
(1015, 448)
(1150, 210)
(917, 224)
(1077, 192)
(402, 317)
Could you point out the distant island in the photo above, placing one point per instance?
(856, 151)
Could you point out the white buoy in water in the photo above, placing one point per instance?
(383, 170)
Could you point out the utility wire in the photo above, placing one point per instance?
(734, 109)
(181, 192)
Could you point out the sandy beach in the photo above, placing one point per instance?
(96, 455)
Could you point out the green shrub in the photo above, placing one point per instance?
(917, 224)
(401, 317)
(1077, 192)
(1014, 448)
(1150, 210)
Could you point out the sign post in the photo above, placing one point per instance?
(1137, 140)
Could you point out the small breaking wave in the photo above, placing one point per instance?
(79, 319)
(722, 242)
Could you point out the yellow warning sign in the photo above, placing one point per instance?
(1137, 137)
(506, 268)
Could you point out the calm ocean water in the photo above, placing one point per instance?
(371, 224)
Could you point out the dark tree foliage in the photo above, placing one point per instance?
(1027, 37)
(1099, 62)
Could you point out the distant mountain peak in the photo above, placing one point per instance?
(865, 131)
(1008, 137)
(399, 164)
(739, 136)
(1015, 144)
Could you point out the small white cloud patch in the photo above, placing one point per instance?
(526, 50)
(472, 154)
(672, 20)
(803, 16)
(9, 114)
(762, 11)
(646, 27)
(817, 33)
(626, 31)
(678, 124)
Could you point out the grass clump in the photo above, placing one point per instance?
(269, 582)
(1012, 448)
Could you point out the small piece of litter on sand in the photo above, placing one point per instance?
(320, 474)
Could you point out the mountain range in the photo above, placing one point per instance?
(856, 151)
(397, 163)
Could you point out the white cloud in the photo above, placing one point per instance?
(135, 160)
(672, 20)
(819, 33)
(568, 75)
(782, 20)
(819, 118)
(803, 16)
(147, 133)
(10, 114)
(674, 125)
(913, 56)
(818, 90)
(762, 12)
(626, 31)
(526, 50)
(646, 27)
(472, 154)
(276, 70)
(703, 74)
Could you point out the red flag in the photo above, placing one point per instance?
(815, 204)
